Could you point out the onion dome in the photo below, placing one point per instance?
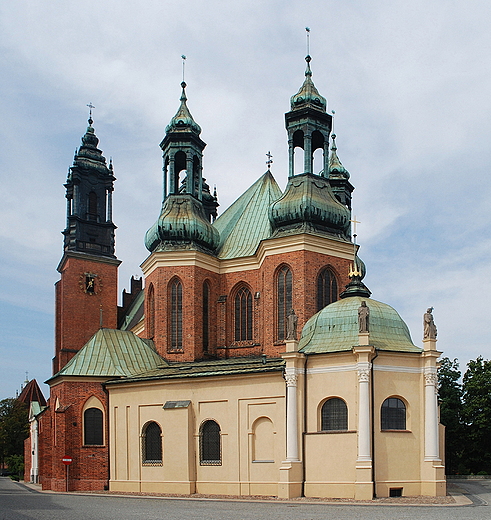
(308, 95)
(183, 120)
(308, 204)
(336, 169)
(335, 328)
(88, 155)
(182, 225)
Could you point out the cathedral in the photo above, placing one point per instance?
(250, 358)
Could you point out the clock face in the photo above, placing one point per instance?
(90, 283)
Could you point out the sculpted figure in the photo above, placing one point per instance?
(429, 327)
(291, 325)
(363, 317)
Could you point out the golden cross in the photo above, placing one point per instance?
(269, 162)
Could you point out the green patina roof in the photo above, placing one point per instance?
(112, 353)
(335, 328)
(246, 222)
(135, 312)
(222, 367)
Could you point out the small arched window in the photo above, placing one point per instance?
(334, 415)
(93, 427)
(284, 282)
(210, 446)
(243, 315)
(393, 414)
(327, 288)
(176, 315)
(152, 444)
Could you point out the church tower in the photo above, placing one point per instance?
(180, 321)
(86, 294)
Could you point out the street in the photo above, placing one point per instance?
(19, 502)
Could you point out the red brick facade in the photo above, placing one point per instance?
(79, 313)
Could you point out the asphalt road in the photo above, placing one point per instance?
(19, 502)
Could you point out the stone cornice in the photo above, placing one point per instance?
(268, 247)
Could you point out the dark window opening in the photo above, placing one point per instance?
(93, 427)
(334, 415)
(395, 492)
(210, 444)
(327, 288)
(284, 300)
(176, 316)
(393, 415)
(152, 444)
(243, 315)
(206, 316)
(92, 209)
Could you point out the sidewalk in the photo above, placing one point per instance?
(455, 497)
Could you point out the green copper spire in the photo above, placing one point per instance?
(183, 120)
(356, 274)
(339, 177)
(308, 95)
(336, 169)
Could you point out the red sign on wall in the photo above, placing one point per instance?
(67, 460)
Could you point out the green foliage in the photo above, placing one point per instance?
(450, 397)
(14, 428)
(15, 464)
(476, 415)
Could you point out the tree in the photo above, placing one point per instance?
(476, 414)
(14, 428)
(450, 397)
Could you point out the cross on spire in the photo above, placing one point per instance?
(91, 106)
(183, 62)
(307, 30)
(354, 222)
(269, 162)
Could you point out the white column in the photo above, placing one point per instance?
(431, 414)
(364, 411)
(291, 417)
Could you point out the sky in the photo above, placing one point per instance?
(410, 84)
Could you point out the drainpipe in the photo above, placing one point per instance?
(373, 426)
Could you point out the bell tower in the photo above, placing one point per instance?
(86, 294)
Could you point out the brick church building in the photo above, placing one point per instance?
(250, 359)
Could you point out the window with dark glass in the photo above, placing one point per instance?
(152, 444)
(210, 444)
(393, 416)
(327, 288)
(176, 316)
(151, 312)
(206, 316)
(243, 315)
(334, 415)
(92, 209)
(93, 427)
(284, 300)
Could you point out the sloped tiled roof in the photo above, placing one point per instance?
(135, 312)
(246, 222)
(113, 353)
(32, 392)
(222, 367)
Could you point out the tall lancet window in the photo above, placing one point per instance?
(243, 315)
(151, 312)
(284, 302)
(176, 315)
(327, 288)
(206, 316)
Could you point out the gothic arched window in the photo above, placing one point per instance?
(176, 315)
(243, 315)
(210, 447)
(284, 282)
(93, 427)
(334, 415)
(206, 316)
(327, 288)
(393, 414)
(152, 444)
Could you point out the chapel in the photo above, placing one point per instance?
(250, 357)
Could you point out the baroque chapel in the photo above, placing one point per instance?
(250, 358)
